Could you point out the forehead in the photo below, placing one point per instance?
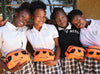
(60, 13)
(75, 17)
(24, 12)
(39, 12)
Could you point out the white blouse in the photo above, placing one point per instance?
(43, 38)
(91, 35)
(12, 38)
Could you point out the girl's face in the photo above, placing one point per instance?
(39, 17)
(79, 21)
(21, 18)
(61, 19)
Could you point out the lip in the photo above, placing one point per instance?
(80, 26)
(21, 23)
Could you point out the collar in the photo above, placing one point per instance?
(44, 26)
(91, 24)
(11, 26)
(14, 28)
(68, 27)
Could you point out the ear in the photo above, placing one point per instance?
(83, 15)
(16, 13)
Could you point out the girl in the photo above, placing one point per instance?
(12, 37)
(68, 35)
(44, 36)
(89, 35)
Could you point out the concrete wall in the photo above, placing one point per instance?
(90, 8)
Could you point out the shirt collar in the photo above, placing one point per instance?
(44, 26)
(92, 22)
(11, 26)
(68, 27)
(14, 28)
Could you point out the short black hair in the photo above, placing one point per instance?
(72, 13)
(36, 5)
(24, 6)
(55, 10)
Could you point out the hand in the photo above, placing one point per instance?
(81, 60)
(98, 59)
(17, 67)
(50, 63)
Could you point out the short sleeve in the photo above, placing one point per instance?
(0, 39)
(54, 32)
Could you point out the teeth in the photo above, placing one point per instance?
(41, 22)
(21, 23)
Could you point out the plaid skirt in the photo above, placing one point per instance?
(72, 66)
(91, 66)
(27, 69)
(41, 68)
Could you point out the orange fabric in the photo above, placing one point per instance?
(43, 55)
(78, 52)
(13, 58)
(93, 51)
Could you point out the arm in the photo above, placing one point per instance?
(58, 50)
(3, 22)
(17, 67)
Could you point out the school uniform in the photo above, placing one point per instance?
(69, 36)
(13, 38)
(44, 39)
(91, 36)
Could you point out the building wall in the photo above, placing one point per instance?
(90, 8)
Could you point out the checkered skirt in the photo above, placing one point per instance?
(91, 66)
(71, 66)
(41, 68)
(27, 69)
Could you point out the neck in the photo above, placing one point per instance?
(14, 23)
(38, 27)
(66, 26)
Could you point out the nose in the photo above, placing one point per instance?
(25, 21)
(78, 25)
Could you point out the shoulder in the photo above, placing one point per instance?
(3, 27)
(97, 21)
(50, 26)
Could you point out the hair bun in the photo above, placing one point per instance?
(37, 4)
(25, 5)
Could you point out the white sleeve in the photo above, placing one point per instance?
(54, 32)
(0, 39)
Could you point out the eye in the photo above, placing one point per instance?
(50, 54)
(37, 52)
(16, 54)
(79, 50)
(44, 52)
(98, 53)
(23, 52)
(9, 58)
(91, 52)
(72, 51)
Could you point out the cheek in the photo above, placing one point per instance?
(44, 19)
(58, 23)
